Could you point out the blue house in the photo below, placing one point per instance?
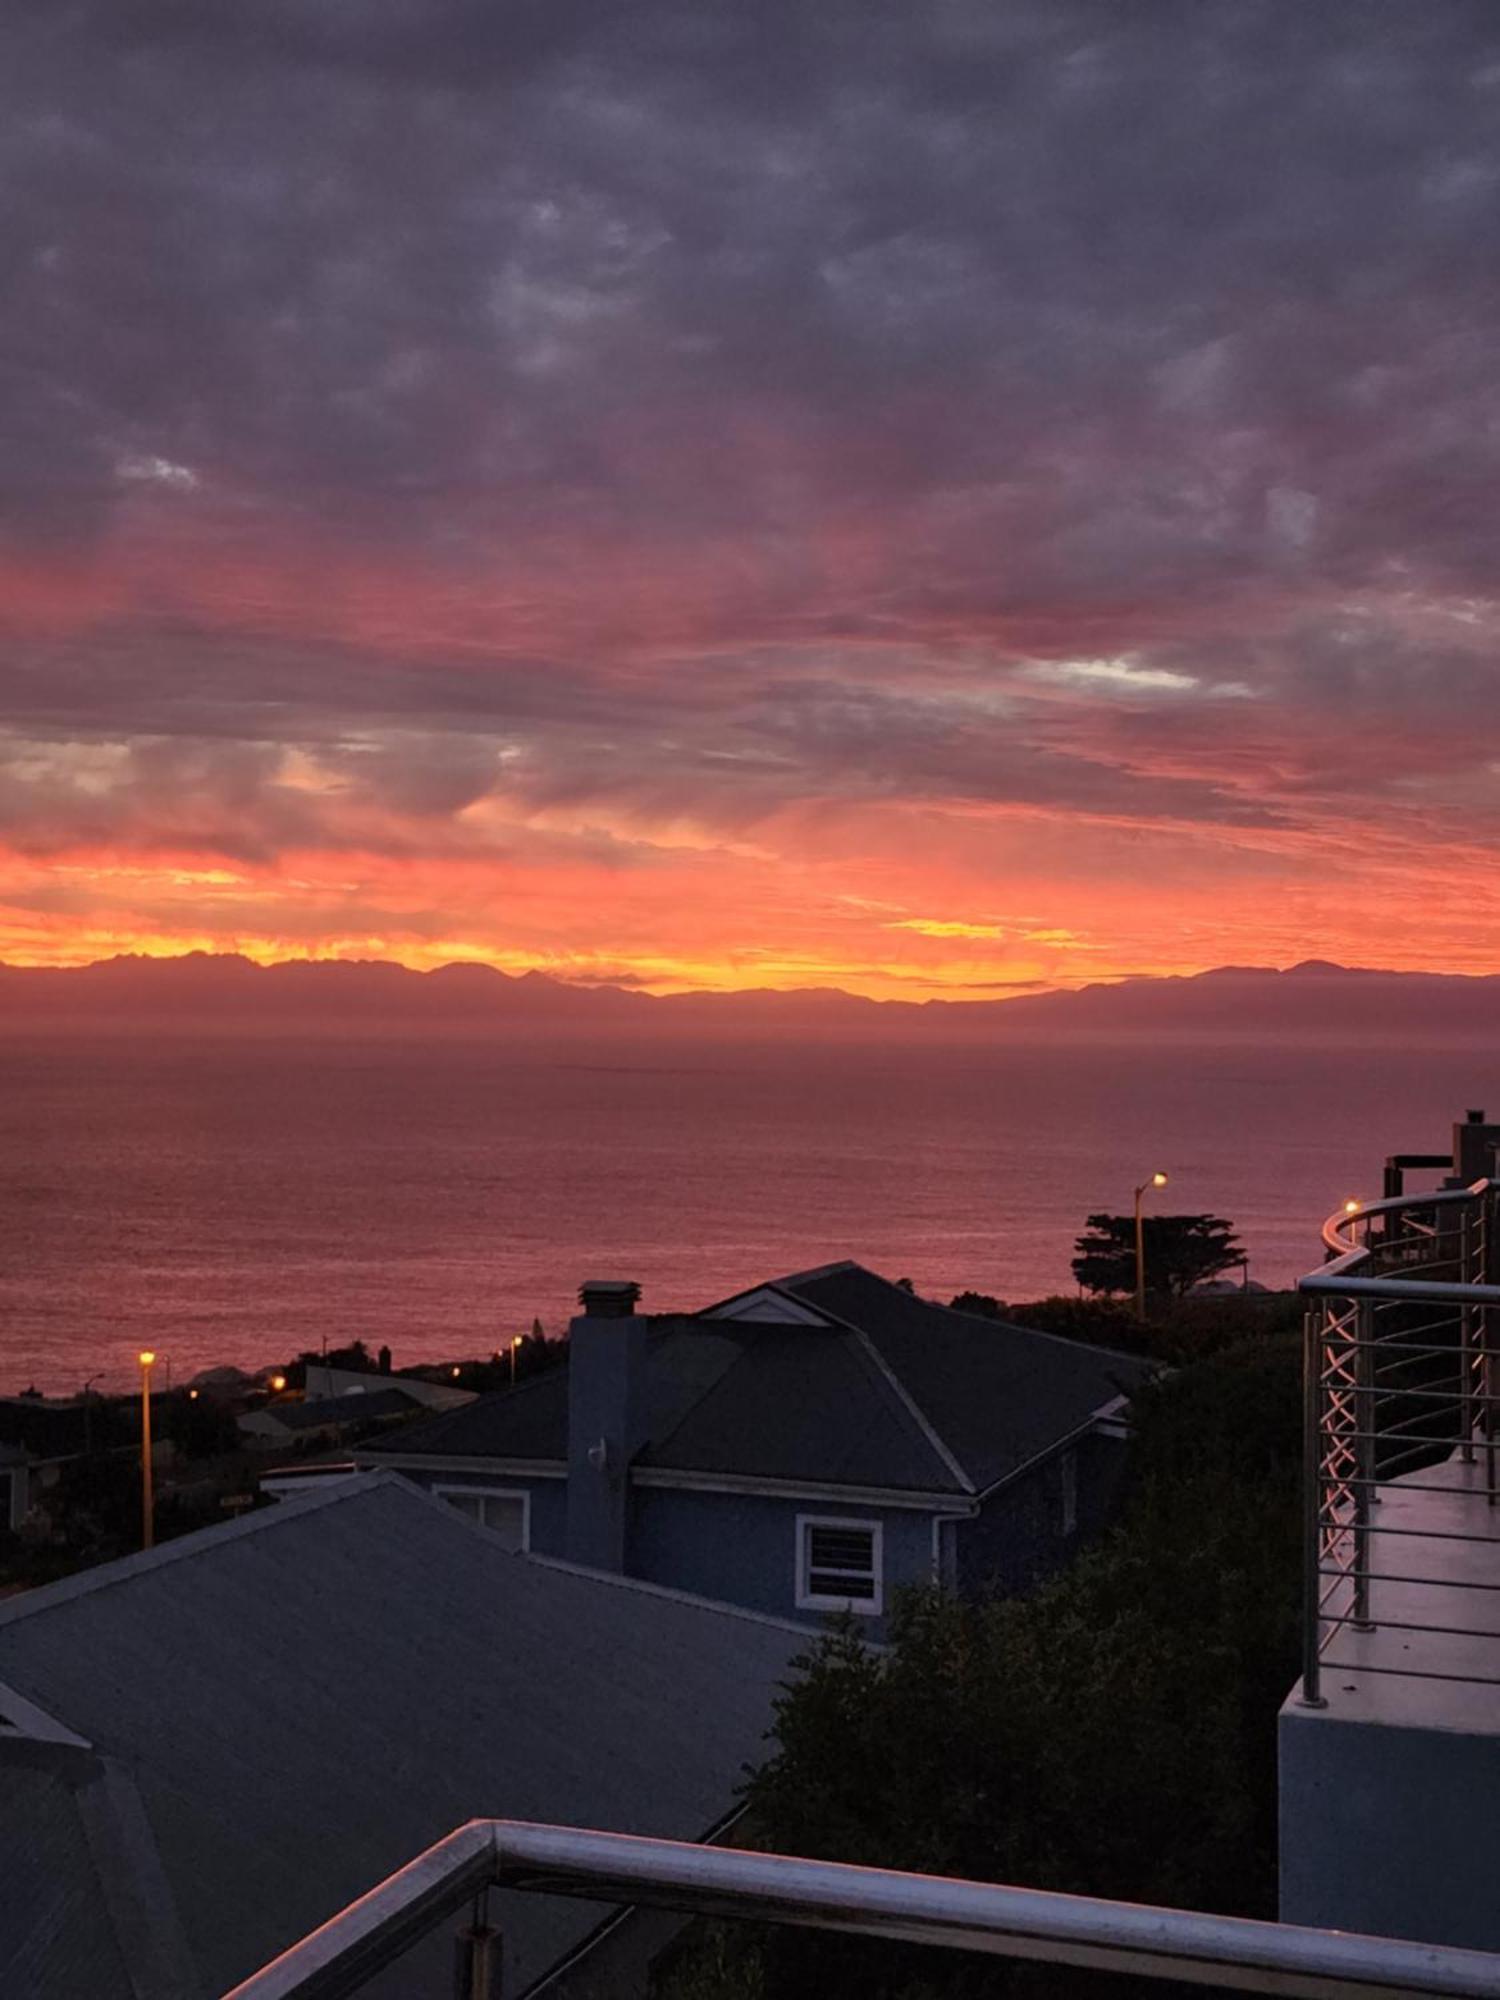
(805, 1447)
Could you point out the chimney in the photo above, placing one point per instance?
(1474, 1143)
(608, 1298)
(606, 1420)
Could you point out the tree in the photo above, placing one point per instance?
(1181, 1251)
(1112, 1735)
(981, 1305)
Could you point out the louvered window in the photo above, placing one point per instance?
(838, 1565)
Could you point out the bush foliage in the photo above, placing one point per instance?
(1113, 1734)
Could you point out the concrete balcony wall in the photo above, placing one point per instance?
(1390, 1795)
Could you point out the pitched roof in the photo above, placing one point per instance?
(292, 1705)
(339, 1411)
(870, 1387)
(996, 1394)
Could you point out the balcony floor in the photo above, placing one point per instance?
(1384, 1675)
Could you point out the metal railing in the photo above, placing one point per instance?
(1180, 1945)
(1400, 1385)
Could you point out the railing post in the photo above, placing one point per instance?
(1312, 1506)
(1468, 1332)
(476, 1963)
(1364, 1457)
(1487, 1261)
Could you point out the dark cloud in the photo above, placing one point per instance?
(1119, 273)
(797, 378)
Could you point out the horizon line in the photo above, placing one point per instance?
(1017, 990)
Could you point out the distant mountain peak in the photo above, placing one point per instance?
(226, 993)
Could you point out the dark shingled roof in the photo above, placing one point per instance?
(996, 1394)
(277, 1713)
(889, 1390)
(342, 1411)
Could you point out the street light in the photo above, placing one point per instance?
(1157, 1180)
(513, 1346)
(148, 1512)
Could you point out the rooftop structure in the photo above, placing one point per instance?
(803, 1447)
(208, 1750)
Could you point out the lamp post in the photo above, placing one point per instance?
(1157, 1180)
(148, 1512)
(514, 1345)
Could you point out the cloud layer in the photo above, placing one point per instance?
(919, 497)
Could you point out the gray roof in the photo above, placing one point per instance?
(885, 1390)
(284, 1709)
(340, 1412)
(994, 1393)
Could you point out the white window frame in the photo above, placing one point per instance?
(495, 1493)
(807, 1600)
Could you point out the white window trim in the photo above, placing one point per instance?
(496, 1493)
(866, 1607)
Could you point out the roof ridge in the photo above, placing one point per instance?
(392, 1440)
(817, 1271)
(134, 1886)
(924, 1423)
(882, 1367)
(31, 1723)
(183, 1548)
(1041, 1333)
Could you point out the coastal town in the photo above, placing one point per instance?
(749, 999)
(596, 1584)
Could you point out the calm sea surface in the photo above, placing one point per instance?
(238, 1201)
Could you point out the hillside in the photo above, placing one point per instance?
(200, 993)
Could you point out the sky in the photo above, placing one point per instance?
(943, 498)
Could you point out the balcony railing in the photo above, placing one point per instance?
(1402, 1535)
(1173, 1945)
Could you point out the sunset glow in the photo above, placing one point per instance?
(550, 542)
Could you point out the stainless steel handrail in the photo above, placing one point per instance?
(1233, 1952)
(1384, 1398)
(1344, 1218)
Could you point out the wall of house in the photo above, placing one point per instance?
(742, 1548)
(1021, 1535)
(549, 1501)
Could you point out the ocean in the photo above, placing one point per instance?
(239, 1201)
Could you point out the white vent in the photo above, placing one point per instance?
(838, 1565)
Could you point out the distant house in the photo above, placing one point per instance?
(325, 1382)
(208, 1750)
(323, 1422)
(17, 1472)
(37, 1439)
(804, 1447)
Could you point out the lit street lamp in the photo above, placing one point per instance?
(1157, 1180)
(148, 1512)
(515, 1343)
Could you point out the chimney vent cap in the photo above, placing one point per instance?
(1476, 1117)
(608, 1298)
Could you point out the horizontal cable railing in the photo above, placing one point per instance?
(1175, 1945)
(1400, 1391)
